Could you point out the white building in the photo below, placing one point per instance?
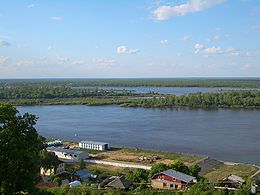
(94, 145)
(68, 154)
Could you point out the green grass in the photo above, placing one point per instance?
(186, 158)
(242, 170)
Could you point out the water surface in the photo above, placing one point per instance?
(172, 90)
(225, 134)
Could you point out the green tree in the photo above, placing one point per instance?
(157, 168)
(194, 170)
(19, 155)
(82, 165)
(202, 187)
(180, 166)
(48, 160)
(57, 181)
(137, 175)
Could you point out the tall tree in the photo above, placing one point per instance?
(19, 155)
(48, 160)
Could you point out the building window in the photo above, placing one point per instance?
(171, 185)
(164, 184)
(176, 186)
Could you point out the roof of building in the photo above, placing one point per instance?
(235, 178)
(83, 174)
(75, 183)
(178, 175)
(93, 142)
(54, 143)
(119, 183)
(67, 151)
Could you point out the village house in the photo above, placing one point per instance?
(67, 154)
(83, 174)
(172, 180)
(59, 169)
(119, 183)
(232, 181)
(94, 145)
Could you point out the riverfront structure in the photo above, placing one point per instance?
(94, 145)
(68, 154)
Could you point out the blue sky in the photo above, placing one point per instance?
(127, 39)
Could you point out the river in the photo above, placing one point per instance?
(225, 134)
(172, 90)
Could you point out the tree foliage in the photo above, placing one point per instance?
(20, 146)
(137, 175)
(224, 99)
(48, 160)
(177, 166)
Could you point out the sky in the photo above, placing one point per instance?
(129, 38)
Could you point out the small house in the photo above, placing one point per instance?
(83, 174)
(172, 180)
(119, 183)
(232, 181)
(67, 154)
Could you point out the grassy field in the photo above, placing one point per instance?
(242, 170)
(130, 155)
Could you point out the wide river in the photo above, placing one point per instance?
(225, 134)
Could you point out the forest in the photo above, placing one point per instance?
(224, 99)
(55, 95)
(159, 82)
(57, 92)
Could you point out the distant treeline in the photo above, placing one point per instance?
(57, 92)
(192, 82)
(225, 99)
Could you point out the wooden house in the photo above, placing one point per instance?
(172, 180)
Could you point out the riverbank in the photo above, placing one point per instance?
(122, 158)
(63, 96)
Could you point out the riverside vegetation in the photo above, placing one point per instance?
(166, 82)
(50, 95)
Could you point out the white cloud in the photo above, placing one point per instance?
(30, 6)
(212, 50)
(124, 49)
(78, 62)
(251, 54)
(4, 43)
(218, 37)
(164, 42)
(22, 46)
(247, 66)
(2, 60)
(49, 48)
(186, 38)
(104, 62)
(165, 12)
(56, 18)
(62, 59)
(230, 51)
(23, 62)
(198, 47)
